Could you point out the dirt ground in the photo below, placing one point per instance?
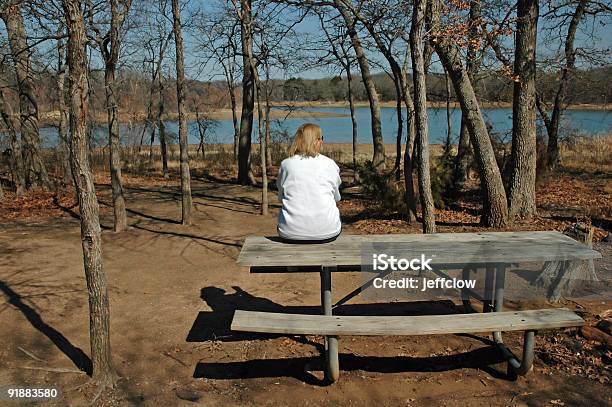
(173, 290)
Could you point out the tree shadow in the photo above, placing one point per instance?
(216, 325)
(188, 235)
(478, 359)
(76, 355)
(70, 211)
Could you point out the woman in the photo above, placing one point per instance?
(308, 185)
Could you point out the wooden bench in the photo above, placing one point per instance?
(491, 250)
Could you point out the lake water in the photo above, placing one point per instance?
(338, 129)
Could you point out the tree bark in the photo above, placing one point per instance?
(103, 371)
(552, 125)
(410, 144)
(420, 105)
(232, 89)
(28, 105)
(378, 159)
(16, 158)
(248, 96)
(119, 212)
(109, 48)
(351, 100)
(464, 151)
(161, 126)
(180, 92)
(495, 207)
(63, 111)
(523, 177)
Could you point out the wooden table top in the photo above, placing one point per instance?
(443, 248)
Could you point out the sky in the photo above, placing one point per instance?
(601, 31)
(309, 28)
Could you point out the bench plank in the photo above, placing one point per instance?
(445, 248)
(268, 322)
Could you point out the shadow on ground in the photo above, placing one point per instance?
(215, 325)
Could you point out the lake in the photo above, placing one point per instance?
(338, 129)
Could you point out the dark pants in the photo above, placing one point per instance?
(329, 239)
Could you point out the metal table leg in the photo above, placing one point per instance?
(332, 366)
(523, 366)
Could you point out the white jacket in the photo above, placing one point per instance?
(308, 190)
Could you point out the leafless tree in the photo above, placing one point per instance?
(421, 122)
(378, 159)
(187, 205)
(217, 33)
(523, 177)
(340, 49)
(495, 207)
(103, 372)
(108, 43)
(565, 18)
(35, 171)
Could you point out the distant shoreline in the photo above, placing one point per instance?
(483, 105)
(278, 111)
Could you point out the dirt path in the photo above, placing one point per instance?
(173, 290)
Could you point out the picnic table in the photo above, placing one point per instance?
(492, 251)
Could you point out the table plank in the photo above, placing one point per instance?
(268, 322)
(444, 248)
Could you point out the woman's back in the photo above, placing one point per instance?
(308, 190)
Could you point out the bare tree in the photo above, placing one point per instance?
(420, 105)
(218, 39)
(103, 372)
(109, 44)
(63, 122)
(553, 120)
(464, 153)
(245, 176)
(495, 207)
(183, 141)
(15, 158)
(523, 177)
(378, 159)
(34, 166)
(340, 50)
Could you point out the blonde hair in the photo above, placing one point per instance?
(305, 140)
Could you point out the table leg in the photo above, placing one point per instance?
(525, 364)
(487, 305)
(332, 366)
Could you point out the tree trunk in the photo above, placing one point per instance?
(449, 126)
(162, 126)
(523, 178)
(262, 150)
(378, 159)
(400, 128)
(349, 80)
(232, 91)
(409, 149)
(267, 117)
(420, 105)
(63, 112)
(248, 96)
(464, 156)
(180, 92)
(464, 152)
(552, 126)
(16, 158)
(495, 207)
(119, 212)
(30, 140)
(99, 316)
